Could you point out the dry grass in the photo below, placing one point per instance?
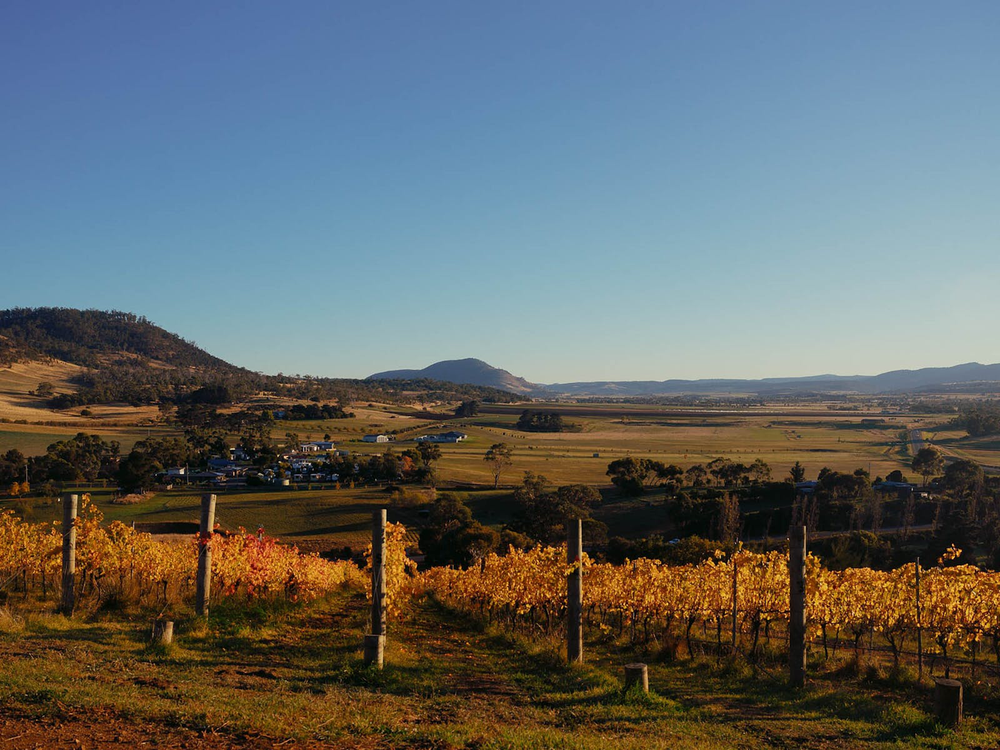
(17, 403)
(295, 679)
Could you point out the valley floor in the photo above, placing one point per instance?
(295, 680)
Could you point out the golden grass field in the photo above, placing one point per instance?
(815, 434)
(833, 439)
(836, 441)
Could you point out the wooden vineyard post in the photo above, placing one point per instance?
(68, 601)
(637, 674)
(948, 702)
(204, 583)
(734, 623)
(797, 606)
(574, 592)
(163, 632)
(375, 641)
(920, 636)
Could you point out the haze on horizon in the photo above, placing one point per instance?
(572, 192)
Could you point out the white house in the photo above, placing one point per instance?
(317, 446)
(376, 438)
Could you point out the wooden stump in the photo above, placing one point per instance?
(374, 650)
(637, 674)
(948, 702)
(163, 632)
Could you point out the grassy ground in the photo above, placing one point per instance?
(253, 679)
(342, 517)
(983, 450)
(33, 440)
(836, 441)
(815, 437)
(334, 518)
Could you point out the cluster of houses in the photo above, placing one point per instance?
(305, 463)
(236, 470)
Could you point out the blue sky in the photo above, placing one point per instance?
(569, 190)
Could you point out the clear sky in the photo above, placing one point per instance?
(568, 190)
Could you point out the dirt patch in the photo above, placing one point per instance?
(102, 729)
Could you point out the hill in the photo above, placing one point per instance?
(90, 357)
(92, 338)
(466, 371)
(113, 357)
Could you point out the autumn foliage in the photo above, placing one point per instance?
(116, 561)
(960, 605)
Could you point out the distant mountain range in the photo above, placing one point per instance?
(128, 358)
(967, 377)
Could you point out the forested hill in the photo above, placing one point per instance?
(11, 351)
(91, 337)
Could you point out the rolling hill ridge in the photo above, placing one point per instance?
(90, 338)
(970, 376)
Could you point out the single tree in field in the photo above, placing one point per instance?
(928, 462)
(798, 473)
(719, 468)
(629, 474)
(696, 475)
(428, 452)
(760, 471)
(499, 457)
(467, 409)
(964, 477)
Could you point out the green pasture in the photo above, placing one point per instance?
(838, 441)
(569, 457)
(338, 517)
(33, 440)
(331, 518)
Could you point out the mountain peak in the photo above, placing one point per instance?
(469, 371)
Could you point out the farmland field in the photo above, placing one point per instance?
(32, 440)
(341, 517)
(817, 439)
(815, 435)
